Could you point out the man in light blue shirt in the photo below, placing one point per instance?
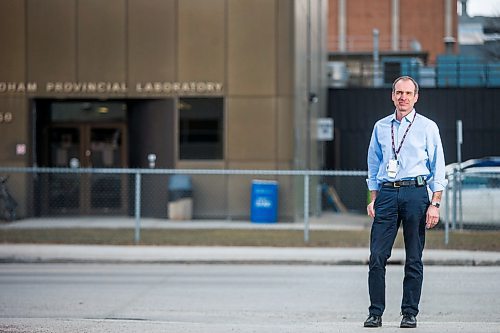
(405, 157)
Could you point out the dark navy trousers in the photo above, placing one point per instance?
(393, 207)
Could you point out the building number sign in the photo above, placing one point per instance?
(5, 117)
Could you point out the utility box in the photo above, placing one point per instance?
(180, 197)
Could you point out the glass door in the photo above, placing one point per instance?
(63, 190)
(86, 146)
(107, 192)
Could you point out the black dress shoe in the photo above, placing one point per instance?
(408, 321)
(373, 321)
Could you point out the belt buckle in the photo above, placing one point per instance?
(396, 185)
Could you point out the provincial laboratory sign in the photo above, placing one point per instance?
(142, 88)
(179, 87)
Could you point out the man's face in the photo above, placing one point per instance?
(404, 96)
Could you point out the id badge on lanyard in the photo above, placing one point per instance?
(392, 168)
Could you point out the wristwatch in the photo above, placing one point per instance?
(435, 204)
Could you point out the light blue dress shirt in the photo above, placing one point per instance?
(421, 153)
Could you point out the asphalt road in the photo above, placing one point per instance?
(235, 298)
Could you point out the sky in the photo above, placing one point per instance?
(483, 7)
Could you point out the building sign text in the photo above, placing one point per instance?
(142, 88)
(5, 117)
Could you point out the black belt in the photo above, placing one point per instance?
(402, 183)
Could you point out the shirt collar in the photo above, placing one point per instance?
(409, 116)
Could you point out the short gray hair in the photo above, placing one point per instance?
(405, 78)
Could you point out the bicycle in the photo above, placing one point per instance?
(8, 204)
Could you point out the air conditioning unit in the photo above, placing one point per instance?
(394, 67)
(338, 75)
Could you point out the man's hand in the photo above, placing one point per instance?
(432, 217)
(370, 210)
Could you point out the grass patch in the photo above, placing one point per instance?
(459, 240)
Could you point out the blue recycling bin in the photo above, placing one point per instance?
(264, 201)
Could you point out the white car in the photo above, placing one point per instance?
(480, 194)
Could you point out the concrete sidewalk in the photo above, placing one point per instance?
(10, 253)
(327, 221)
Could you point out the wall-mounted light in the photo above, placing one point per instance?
(102, 110)
(313, 98)
(152, 160)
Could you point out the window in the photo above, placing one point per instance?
(201, 123)
(88, 111)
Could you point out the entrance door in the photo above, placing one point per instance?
(86, 146)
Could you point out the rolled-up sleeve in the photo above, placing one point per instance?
(374, 159)
(438, 180)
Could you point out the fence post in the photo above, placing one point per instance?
(306, 207)
(454, 202)
(137, 236)
(447, 222)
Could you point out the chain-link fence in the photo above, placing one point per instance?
(227, 195)
(471, 200)
(189, 194)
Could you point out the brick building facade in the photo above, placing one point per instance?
(404, 25)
